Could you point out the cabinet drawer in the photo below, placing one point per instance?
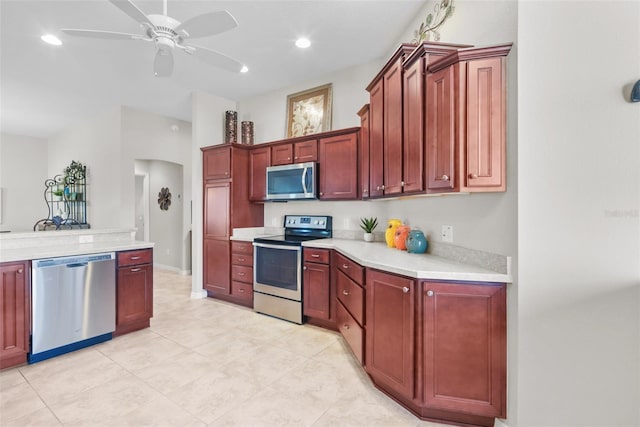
(242, 259)
(316, 255)
(350, 268)
(351, 296)
(238, 247)
(242, 290)
(142, 256)
(351, 331)
(241, 273)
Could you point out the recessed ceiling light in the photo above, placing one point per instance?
(244, 69)
(51, 39)
(303, 43)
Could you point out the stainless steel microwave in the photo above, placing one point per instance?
(292, 182)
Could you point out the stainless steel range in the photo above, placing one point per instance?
(277, 269)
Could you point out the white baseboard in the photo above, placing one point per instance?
(171, 268)
(198, 294)
(499, 423)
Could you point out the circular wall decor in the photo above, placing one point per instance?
(164, 198)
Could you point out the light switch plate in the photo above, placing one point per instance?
(447, 233)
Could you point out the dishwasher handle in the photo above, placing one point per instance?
(77, 264)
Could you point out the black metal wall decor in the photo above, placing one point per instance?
(65, 196)
(164, 198)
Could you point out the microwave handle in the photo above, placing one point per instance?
(304, 180)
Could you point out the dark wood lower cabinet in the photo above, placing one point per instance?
(15, 315)
(217, 267)
(134, 291)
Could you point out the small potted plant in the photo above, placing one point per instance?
(57, 194)
(368, 225)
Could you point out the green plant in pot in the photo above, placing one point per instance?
(57, 194)
(368, 225)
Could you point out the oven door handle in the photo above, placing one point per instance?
(284, 247)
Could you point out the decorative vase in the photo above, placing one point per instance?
(400, 237)
(417, 242)
(389, 234)
(231, 126)
(369, 237)
(247, 133)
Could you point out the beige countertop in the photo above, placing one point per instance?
(50, 244)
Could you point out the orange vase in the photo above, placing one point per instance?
(400, 238)
(389, 234)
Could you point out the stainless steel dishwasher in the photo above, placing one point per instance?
(73, 303)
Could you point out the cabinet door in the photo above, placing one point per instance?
(486, 139)
(376, 137)
(217, 266)
(282, 154)
(440, 130)
(134, 294)
(464, 335)
(306, 151)
(259, 159)
(413, 129)
(216, 210)
(339, 167)
(389, 333)
(317, 291)
(393, 129)
(15, 303)
(217, 163)
(364, 154)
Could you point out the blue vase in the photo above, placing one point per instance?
(416, 242)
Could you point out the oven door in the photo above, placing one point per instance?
(277, 270)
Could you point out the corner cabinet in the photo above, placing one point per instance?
(466, 121)
(15, 303)
(134, 290)
(226, 200)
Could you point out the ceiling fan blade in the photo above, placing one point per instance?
(163, 63)
(208, 24)
(214, 58)
(132, 10)
(97, 34)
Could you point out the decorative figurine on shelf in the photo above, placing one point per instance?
(368, 225)
(389, 234)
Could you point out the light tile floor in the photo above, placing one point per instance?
(202, 362)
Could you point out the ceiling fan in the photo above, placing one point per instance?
(168, 34)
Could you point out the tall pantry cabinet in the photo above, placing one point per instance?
(226, 206)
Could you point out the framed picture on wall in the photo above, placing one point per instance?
(309, 111)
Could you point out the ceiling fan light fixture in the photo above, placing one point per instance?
(51, 39)
(303, 43)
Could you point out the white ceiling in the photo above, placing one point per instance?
(44, 89)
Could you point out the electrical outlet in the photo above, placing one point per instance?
(85, 239)
(447, 233)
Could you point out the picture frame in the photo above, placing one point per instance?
(309, 111)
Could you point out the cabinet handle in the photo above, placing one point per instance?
(378, 188)
(345, 266)
(473, 175)
(429, 293)
(288, 158)
(304, 268)
(20, 271)
(241, 291)
(345, 292)
(382, 187)
(345, 326)
(135, 270)
(241, 273)
(364, 190)
(240, 259)
(321, 193)
(405, 289)
(315, 255)
(296, 157)
(445, 177)
(402, 183)
(133, 258)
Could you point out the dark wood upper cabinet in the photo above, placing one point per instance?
(464, 338)
(392, 128)
(363, 161)
(338, 156)
(413, 128)
(281, 154)
(376, 138)
(217, 210)
(305, 151)
(217, 164)
(466, 118)
(259, 160)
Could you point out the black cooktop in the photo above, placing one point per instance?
(300, 228)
